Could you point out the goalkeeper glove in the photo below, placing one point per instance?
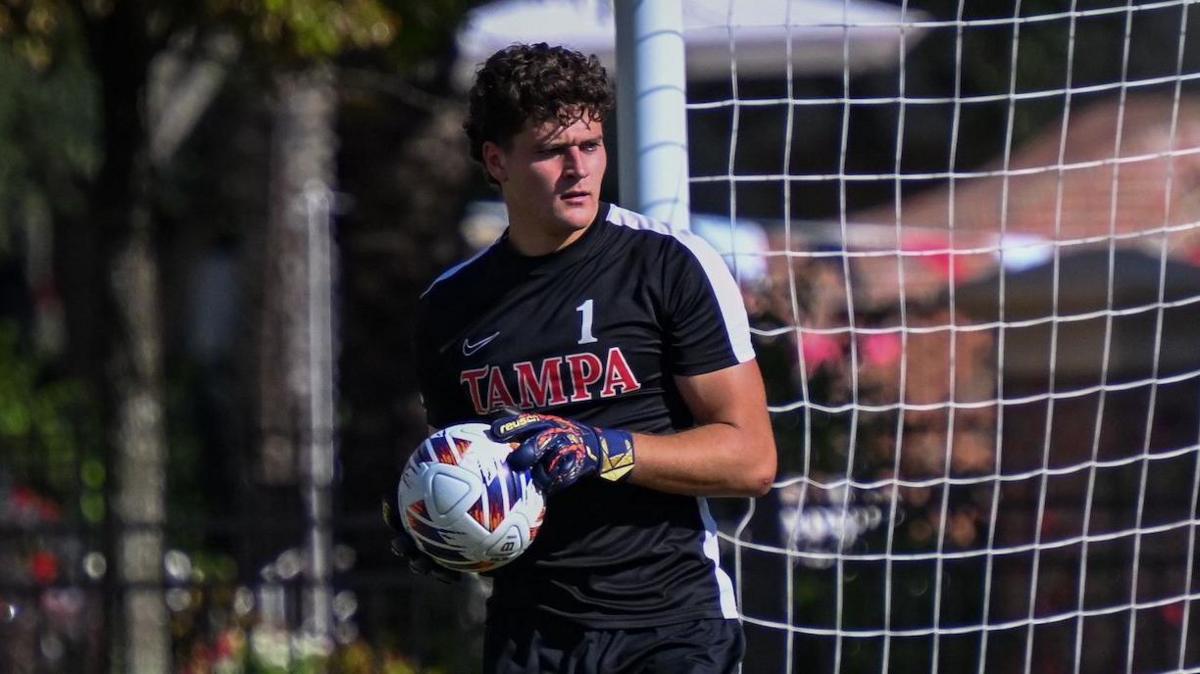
(561, 451)
(404, 547)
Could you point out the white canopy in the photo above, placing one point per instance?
(824, 34)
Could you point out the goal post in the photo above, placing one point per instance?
(968, 236)
(651, 109)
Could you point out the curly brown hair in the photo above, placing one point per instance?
(534, 84)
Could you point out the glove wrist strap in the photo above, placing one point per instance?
(616, 454)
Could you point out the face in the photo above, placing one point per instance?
(550, 178)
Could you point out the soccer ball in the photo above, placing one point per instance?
(462, 503)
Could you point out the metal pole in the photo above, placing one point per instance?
(651, 113)
(318, 197)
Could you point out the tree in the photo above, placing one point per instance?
(157, 65)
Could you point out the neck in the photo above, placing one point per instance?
(531, 242)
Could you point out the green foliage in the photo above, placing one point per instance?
(49, 434)
(32, 29)
(49, 136)
(300, 31)
(424, 27)
(311, 29)
(287, 31)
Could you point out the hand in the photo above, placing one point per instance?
(404, 547)
(561, 451)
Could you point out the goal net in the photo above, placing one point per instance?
(968, 235)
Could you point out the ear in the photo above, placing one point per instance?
(495, 161)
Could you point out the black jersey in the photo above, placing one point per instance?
(594, 332)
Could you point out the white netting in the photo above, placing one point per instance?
(970, 252)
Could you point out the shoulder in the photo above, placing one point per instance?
(701, 300)
(632, 221)
(676, 245)
(454, 278)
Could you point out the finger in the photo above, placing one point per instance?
(517, 428)
(420, 564)
(389, 515)
(563, 462)
(502, 420)
(404, 545)
(397, 547)
(564, 468)
(525, 456)
(505, 424)
(544, 481)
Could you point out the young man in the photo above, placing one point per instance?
(635, 339)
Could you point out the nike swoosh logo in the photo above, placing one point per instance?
(469, 348)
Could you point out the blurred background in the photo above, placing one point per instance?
(216, 217)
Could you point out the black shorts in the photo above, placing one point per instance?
(512, 646)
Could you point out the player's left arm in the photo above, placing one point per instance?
(731, 450)
(730, 453)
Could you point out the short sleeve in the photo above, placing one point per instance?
(707, 325)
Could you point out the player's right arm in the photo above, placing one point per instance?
(730, 451)
(404, 547)
(402, 543)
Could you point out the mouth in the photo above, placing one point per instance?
(575, 196)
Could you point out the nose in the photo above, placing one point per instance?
(574, 163)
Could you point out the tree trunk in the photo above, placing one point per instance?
(296, 322)
(140, 443)
(132, 380)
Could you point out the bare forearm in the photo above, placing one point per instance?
(716, 459)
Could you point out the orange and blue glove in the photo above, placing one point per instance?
(560, 452)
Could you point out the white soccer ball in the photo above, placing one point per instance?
(462, 503)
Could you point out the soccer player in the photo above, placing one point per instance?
(626, 349)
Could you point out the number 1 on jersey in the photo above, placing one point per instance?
(585, 329)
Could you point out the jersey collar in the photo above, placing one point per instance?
(558, 259)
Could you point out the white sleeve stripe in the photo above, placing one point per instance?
(729, 297)
(712, 551)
